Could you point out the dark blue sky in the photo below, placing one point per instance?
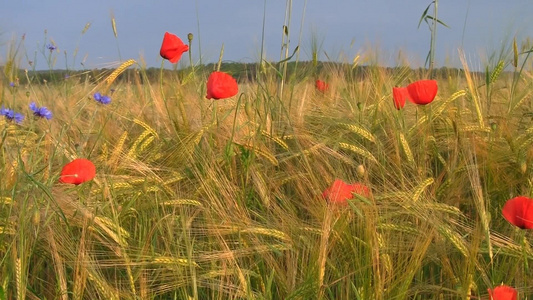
(345, 27)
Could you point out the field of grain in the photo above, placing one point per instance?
(199, 198)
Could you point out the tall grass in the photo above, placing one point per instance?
(224, 201)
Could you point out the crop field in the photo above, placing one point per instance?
(274, 180)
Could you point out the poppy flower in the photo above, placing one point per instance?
(399, 95)
(321, 86)
(221, 85)
(422, 92)
(78, 171)
(519, 212)
(172, 48)
(503, 292)
(339, 192)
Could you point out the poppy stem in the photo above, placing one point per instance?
(525, 251)
(162, 91)
(190, 38)
(433, 38)
(199, 35)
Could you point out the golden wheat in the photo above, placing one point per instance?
(406, 149)
(360, 131)
(421, 188)
(111, 78)
(363, 152)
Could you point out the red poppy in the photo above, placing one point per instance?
(221, 85)
(519, 212)
(172, 48)
(339, 192)
(422, 92)
(503, 292)
(399, 95)
(321, 86)
(78, 171)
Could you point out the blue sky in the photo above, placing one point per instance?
(345, 28)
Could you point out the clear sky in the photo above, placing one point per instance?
(345, 28)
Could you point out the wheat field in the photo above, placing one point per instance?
(222, 199)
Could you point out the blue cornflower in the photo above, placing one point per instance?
(41, 112)
(51, 47)
(101, 98)
(12, 84)
(11, 115)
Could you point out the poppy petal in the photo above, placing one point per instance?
(519, 212)
(399, 96)
(321, 86)
(503, 292)
(339, 192)
(78, 171)
(172, 48)
(221, 85)
(422, 92)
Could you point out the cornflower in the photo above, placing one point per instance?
(101, 98)
(41, 112)
(11, 115)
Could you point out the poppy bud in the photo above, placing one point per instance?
(190, 37)
(36, 218)
(523, 166)
(360, 170)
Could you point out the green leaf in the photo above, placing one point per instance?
(438, 21)
(424, 14)
(288, 58)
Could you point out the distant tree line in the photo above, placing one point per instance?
(243, 72)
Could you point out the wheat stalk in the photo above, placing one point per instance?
(496, 72)
(179, 202)
(474, 128)
(133, 152)
(21, 289)
(454, 238)
(406, 149)
(145, 126)
(360, 131)
(111, 78)
(177, 177)
(277, 140)
(420, 189)
(115, 155)
(363, 152)
(473, 90)
(438, 111)
(102, 286)
(58, 264)
(266, 231)
(165, 260)
(261, 152)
